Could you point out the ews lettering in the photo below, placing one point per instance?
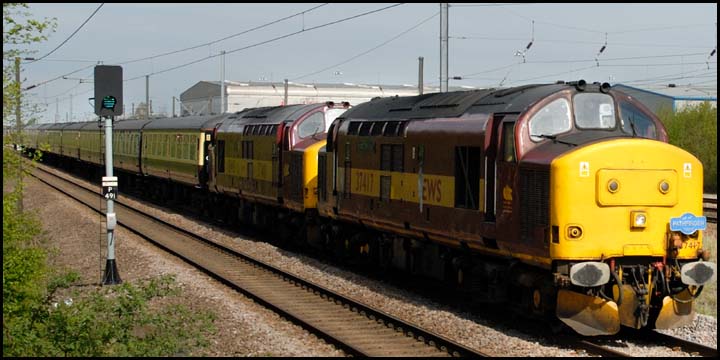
(432, 190)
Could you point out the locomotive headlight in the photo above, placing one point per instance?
(638, 219)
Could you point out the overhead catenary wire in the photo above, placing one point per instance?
(594, 43)
(679, 77)
(71, 35)
(538, 42)
(489, 5)
(670, 75)
(172, 52)
(611, 32)
(616, 59)
(57, 78)
(555, 74)
(64, 92)
(265, 42)
(369, 50)
(70, 60)
(470, 76)
(224, 38)
(602, 49)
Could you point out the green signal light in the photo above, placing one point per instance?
(108, 102)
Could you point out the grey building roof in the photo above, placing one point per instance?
(674, 92)
(202, 89)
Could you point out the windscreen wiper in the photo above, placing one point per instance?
(554, 139)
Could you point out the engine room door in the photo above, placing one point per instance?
(506, 182)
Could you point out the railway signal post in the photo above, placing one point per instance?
(108, 104)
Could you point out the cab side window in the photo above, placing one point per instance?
(508, 147)
(313, 124)
(632, 117)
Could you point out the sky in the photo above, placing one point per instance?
(645, 45)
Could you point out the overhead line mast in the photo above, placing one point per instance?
(443, 47)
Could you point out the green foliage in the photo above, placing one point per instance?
(23, 263)
(122, 320)
(125, 320)
(695, 130)
(19, 29)
(707, 301)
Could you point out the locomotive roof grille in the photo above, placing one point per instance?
(451, 104)
(509, 91)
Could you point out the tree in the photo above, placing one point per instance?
(19, 30)
(694, 129)
(23, 264)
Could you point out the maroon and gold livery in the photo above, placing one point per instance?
(558, 197)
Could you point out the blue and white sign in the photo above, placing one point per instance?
(688, 223)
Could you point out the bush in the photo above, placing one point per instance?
(695, 130)
(119, 321)
(122, 320)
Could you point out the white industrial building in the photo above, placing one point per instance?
(669, 97)
(204, 97)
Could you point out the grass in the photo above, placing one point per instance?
(706, 303)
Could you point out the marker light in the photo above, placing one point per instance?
(574, 232)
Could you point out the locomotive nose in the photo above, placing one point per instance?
(623, 196)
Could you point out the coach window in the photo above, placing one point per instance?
(635, 122)
(552, 119)
(312, 125)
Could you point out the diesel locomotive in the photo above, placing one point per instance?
(563, 199)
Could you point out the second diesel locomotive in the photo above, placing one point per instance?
(564, 199)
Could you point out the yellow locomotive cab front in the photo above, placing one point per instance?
(632, 208)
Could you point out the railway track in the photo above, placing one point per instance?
(710, 207)
(603, 346)
(672, 342)
(352, 326)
